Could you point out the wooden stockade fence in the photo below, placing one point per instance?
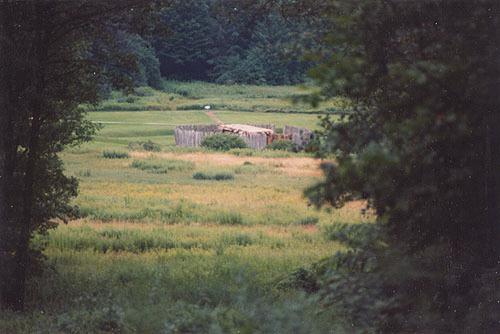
(255, 136)
(193, 135)
(299, 136)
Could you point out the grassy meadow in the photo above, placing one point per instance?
(158, 251)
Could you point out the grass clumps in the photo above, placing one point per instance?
(223, 142)
(163, 166)
(215, 177)
(114, 155)
(243, 152)
(149, 146)
(307, 221)
(229, 218)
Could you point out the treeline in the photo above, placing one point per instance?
(217, 41)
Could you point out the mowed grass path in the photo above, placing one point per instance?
(158, 251)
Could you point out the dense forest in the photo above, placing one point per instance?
(213, 40)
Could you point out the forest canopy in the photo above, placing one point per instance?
(211, 40)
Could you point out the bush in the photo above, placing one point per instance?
(144, 91)
(114, 155)
(149, 167)
(130, 99)
(162, 167)
(216, 177)
(283, 145)
(201, 176)
(144, 145)
(151, 146)
(223, 142)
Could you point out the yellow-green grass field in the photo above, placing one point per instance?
(158, 251)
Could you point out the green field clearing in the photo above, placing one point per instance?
(135, 121)
(158, 251)
(195, 95)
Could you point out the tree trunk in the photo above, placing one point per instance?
(16, 222)
(8, 281)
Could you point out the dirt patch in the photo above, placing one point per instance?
(214, 117)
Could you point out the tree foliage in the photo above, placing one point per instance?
(46, 71)
(422, 148)
(269, 58)
(229, 42)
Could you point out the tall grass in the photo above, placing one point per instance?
(161, 252)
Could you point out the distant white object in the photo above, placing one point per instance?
(207, 107)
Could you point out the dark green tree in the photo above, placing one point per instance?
(146, 69)
(422, 146)
(269, 57)
(45, 74)
(191, 40)
(230, 42)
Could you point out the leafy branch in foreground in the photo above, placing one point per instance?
(421, 147)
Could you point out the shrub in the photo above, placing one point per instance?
(114, 155)
(314, 145)
(144, 145)
(201, 176)
(216, 177)
(151, 146)
(144, 91)
(130, 99)
(149, 167)
(223, 142)
(223, 176)
(283, 145)
(162, 167)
